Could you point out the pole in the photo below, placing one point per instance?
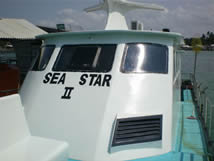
(195, 62)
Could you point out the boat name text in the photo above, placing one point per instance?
(85, 79)
(67, 93)
(54, 78)
(95, 80)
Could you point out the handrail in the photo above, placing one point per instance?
(9, 90)
(204, 106)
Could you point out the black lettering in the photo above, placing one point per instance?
(92, 78)
(55, 78)
(62, 79)
(67, 93)
(106, 80)
(47, 78)
(98, 80)
(83, 79)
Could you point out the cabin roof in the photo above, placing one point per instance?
(113, 36)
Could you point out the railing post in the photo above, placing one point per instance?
(206, 110)
(199, 101)
(211, 122)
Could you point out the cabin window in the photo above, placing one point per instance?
(85, 58)
(43, 58)
(145, 58)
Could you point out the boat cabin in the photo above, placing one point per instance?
(112, 95)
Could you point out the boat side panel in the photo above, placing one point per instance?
(76, 120)
(138, 95)
(176, 95)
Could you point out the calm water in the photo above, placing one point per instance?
(204, 69)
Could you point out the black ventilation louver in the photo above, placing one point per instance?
(137, 130)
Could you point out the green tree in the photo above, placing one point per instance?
(203, 39)
(211, 38)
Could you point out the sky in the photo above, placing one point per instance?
(189, 17)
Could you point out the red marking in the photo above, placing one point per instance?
(9, 79)
(191, 118)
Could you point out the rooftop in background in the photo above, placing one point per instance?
(50, 29)
(18, 29)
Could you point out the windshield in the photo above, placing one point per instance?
(43, 58)
(145, 58)
(85, 58)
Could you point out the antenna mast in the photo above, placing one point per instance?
(116, 10)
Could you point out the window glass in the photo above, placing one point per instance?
(145, 58)
(85, 58)
(43, 58)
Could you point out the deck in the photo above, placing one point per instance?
(190, 142)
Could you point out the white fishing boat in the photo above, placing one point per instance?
(102, 96)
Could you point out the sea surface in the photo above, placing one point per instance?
(204, 69)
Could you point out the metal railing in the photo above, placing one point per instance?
(8, 92)
(204, 107)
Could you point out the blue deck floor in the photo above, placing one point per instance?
(190, 143)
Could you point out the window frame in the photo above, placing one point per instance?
(35, 60)
(83, 45)
(143, 72)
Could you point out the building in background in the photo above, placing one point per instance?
(19, 35)
(51, 29)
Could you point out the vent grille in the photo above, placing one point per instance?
(137, 130)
